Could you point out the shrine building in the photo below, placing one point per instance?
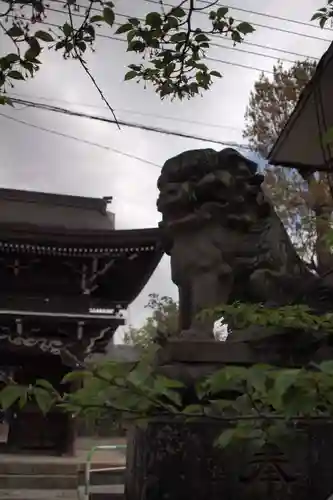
(66, 278)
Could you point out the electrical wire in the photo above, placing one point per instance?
(274, 28)
(216, 60)
(245, 42)
(269, 16)
(212, 44)
(124, 110)
(125, 123)
(221, 61)
(72, 137)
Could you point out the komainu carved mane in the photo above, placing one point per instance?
(226, 241)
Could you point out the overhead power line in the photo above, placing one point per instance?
(269, 16)
(212, 44)
(125, 123)
(72, 137)
(129, 111)
(216, 60)
(245, 42)
(275, 28)
(220, 61)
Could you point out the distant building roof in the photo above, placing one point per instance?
(77, 233)
(45, 210)
(301, 144)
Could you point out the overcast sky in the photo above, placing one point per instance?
(34, 159)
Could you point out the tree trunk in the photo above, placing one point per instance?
(321, 196)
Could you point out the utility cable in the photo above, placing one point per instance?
(268, 16)
(245, 42)
(124, 110)
(134, 125)
(274, 28)
(221, 61)
(67, 136)
(212, 44)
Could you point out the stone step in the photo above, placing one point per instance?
(46, 468)
(102, 477)
(30, 482)
(111, 492)
(38, 494)
(105, 492)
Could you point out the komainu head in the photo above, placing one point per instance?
(223, 183)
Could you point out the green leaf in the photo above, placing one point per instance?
(322, 22)
(221, 404)
(135, 67)
(97, 19)
(173, 22)
(216, 73)
(131, 34)
(11, 58)
(178, 12)
(317, 15)
(201, 38)
(134, 21)
(169, 383)
(257, 377)
(130, 75)
(124, 28)
(44, 35)
(67, 29)
(225, 439)
(245, 28)
(236, 36)
(44, 399)
(193, 410)
(109, 16)
(154, 19)
(178, 37)
(5, 100)
(23, 399)
(75, 376)
(173, 396)
(45, 384)
(284, 380)
(15, 31)
(34, 50)
(326, 367)
(10, 394)
(15, 75)
(136, 46)
(222, 11)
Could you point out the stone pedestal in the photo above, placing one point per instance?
(174, 460)
(169, 461)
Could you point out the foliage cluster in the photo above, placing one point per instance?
(171, 44)
(163, 321)
(254, 404)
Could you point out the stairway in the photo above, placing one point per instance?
(24, 480)
(106, 485)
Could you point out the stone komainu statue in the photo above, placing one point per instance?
(226, 241)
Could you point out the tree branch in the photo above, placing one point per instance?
(9, 8)
(83, 63)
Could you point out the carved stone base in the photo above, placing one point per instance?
(241, 353)
(176, 461)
